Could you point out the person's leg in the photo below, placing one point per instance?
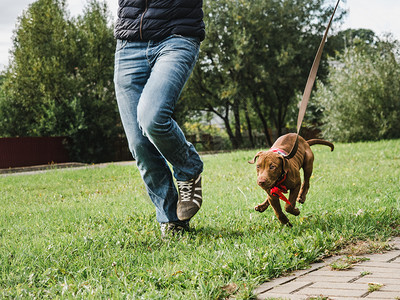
(132, 70)
(172, 62)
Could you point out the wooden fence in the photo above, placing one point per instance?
(32, 151)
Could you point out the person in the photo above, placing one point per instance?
(158, 45)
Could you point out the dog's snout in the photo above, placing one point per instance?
(261, 181)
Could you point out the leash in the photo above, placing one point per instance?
(310, 84)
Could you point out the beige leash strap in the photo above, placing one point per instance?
(310, 84)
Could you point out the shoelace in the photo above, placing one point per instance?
(185, 188)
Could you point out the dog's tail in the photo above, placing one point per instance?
(320, 142)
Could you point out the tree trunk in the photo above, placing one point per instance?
(228, 127)
(236, 114)
(249, 129)
(262, 119)
(232, 137)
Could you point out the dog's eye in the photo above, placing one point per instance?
(258, 166)
(272, 167)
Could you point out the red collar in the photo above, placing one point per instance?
(279, 188)
(279, 151)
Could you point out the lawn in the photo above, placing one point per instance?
(92, 233)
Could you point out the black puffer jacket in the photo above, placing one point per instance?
(158, 19)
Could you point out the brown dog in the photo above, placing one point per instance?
(277, 174)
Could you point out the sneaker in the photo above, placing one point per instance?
(173, 228)
(190, 198)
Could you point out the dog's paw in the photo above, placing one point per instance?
(294, 211)
(260, 208)
(301, 200)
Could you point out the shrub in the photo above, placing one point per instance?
(60, 79)
(361, 100)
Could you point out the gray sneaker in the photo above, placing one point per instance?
(190, 198)
(173, 228)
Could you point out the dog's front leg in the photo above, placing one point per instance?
(276, 205)
(307, 170)
(291, 208)
(263, 206)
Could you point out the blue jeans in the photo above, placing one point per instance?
(149, 78)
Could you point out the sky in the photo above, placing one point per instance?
(382, 16)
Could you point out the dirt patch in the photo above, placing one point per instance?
(366, 247)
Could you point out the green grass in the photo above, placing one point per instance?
(91, 233)
(346, 263)
(372, 287)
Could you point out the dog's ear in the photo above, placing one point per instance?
(255, 158)
(285, 163)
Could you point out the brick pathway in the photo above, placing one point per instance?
(321, 282)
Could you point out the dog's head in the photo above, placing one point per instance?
(270, 167)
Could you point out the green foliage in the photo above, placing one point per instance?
(38, 78)
(206, 137)
(351, 37)
(94, 140)
(257, 54)
(60, 79)
(91, 233)
(361, 99)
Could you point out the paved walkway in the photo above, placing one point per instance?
(375, 278)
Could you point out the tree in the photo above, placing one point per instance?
(360, 100)
(60, 79)
(38, 77)
(352, 37)
(94, 71)
(256, 55)
(337, 45)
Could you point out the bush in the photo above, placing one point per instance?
(361, 100)
(206, 137)
(60, 80)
